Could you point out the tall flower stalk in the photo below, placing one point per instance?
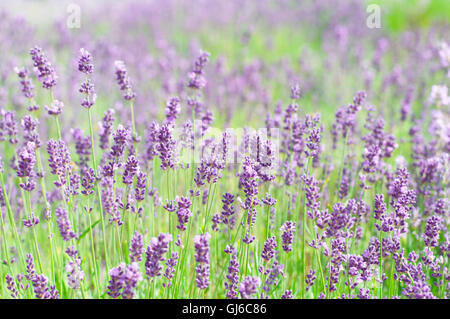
(86, 66)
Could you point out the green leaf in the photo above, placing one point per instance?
(88, 230)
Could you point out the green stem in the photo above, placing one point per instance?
(99, 198)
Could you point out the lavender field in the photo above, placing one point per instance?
(225, 149)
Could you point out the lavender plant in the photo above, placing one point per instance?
(267, 167)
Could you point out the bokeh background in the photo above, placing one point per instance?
(261, 47)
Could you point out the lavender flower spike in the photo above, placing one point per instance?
(155, 254)
(249, 286)
(65, 229)
(201, 243)
(124, 81)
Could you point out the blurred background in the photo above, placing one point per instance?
(258, 50)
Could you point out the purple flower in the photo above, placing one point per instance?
(62, 219)
(380, 206)
(105, 128)
(402, 199)
(9, 125)
(131, 167)
(166, 147)
(345, 121)
(269, 248)
(74, 179)
(73, 269)
(406, 104)
(88, 181)
(11, 286)
(82, 147)
(345, 180)
(172, 110)
(141, 184)
(296, 92)
(55, 108)
(109, 200)
(310, 278)
(287, 295)
(170, 269)
(206, 119)
(272, 277)
(40, 288)
(312, 194)
(29, 126)
(228, 209)
(85, 62)
(43, 68)
(249, 182)
(249, 287)
(26, 162)
(233, 273)
(288, 230)
(432, 230)
(441, 206)
(87, 88)
(31, 271)
(196, 78)
(313, 142)
(115, 284)
(124, 81)
(216, 221)
(124, 279)
(201, 243)
(136, 248)
(32, 221)
(183, 212)
(59, 160)
(364, 293)
(151, 141)
(269, 200)
(25, 81)
(155, 254)
(131, 278)
(122, 137)
(54, 293)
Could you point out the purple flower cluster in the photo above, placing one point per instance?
(123, 81)
(137, 247)
(62, 219)
(155, 254)
(249, 287)
(269, 248)
(105, 128)
(124, 280)
(172, 110)
(183, 212)
(288, 230)
(345, 118)
(196, 79)
(171, 263)
(131, 168)
(73, 269)
(166, 147)
(233, 273)
(26, 162)
(27, 87)
(45, 72)
(109, 202)
(201, 243)
(59, 160)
